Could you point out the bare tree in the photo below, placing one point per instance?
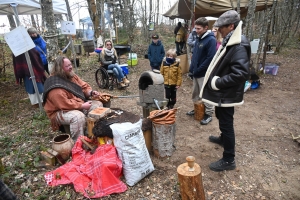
(70, 18)
(250, 19)
(50, 36)
(238, 6)
(157, 11)
(37, 23)
(100, 15)
(288, 13)
(94, 16)
(33, 21)
(12, 22)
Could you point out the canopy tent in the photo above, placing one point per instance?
(182, 8)
(29, 7)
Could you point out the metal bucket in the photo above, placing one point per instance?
(77, 48)
(88, 46)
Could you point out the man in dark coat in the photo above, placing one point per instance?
(224, 84)
(156, 52)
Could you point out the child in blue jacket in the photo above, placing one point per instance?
(156, 52)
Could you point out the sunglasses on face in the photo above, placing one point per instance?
(108, 44)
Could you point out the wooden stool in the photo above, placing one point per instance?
(190, 180)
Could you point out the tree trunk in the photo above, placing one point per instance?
(12, 22)
(231, 2)
(70, 18)
(250, 19)
(100, 15)
(239, 7)
(157, 12)
(93, 14)
(33, 21)
(37, 23)
(285, 21)
(150, 11)
(50, 36)
(270, 15)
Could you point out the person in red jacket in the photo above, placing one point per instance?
(66, 97)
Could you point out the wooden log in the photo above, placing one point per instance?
(190, 180)
(148, 140)
(199, 109)
(90, 125)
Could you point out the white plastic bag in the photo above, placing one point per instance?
(132, 150)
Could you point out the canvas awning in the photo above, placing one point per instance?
(182, 8)
(29, 7)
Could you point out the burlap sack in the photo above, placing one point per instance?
(163, 116)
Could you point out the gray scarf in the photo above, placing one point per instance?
(225, 40)
(109, 52)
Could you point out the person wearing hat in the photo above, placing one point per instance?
(224, 84)
(40, 46)
(156, 52)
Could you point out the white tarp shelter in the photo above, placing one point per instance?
(29, 7)
(182, 8)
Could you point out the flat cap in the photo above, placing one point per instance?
(228, 17)
(155, 36)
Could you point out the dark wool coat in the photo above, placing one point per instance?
(227, 73)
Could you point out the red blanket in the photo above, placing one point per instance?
(94, 175)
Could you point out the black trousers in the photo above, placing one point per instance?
(171, 95)
(225, 117)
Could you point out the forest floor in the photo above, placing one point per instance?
(267, 158)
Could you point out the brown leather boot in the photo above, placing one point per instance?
(122, 84)
(125, 80)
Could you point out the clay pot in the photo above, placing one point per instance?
(63, 144)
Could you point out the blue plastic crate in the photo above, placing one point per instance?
(125, 68)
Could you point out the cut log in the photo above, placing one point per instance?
(199, 109)
(190, 180)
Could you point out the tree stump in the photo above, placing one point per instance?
(190, 180)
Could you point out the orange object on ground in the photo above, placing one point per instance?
(163, 116)
(94, 175)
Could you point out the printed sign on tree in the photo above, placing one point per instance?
(68, 28)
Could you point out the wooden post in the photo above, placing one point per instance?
(90, 125)
(199, 109)
(148, 140)
(190, 180)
